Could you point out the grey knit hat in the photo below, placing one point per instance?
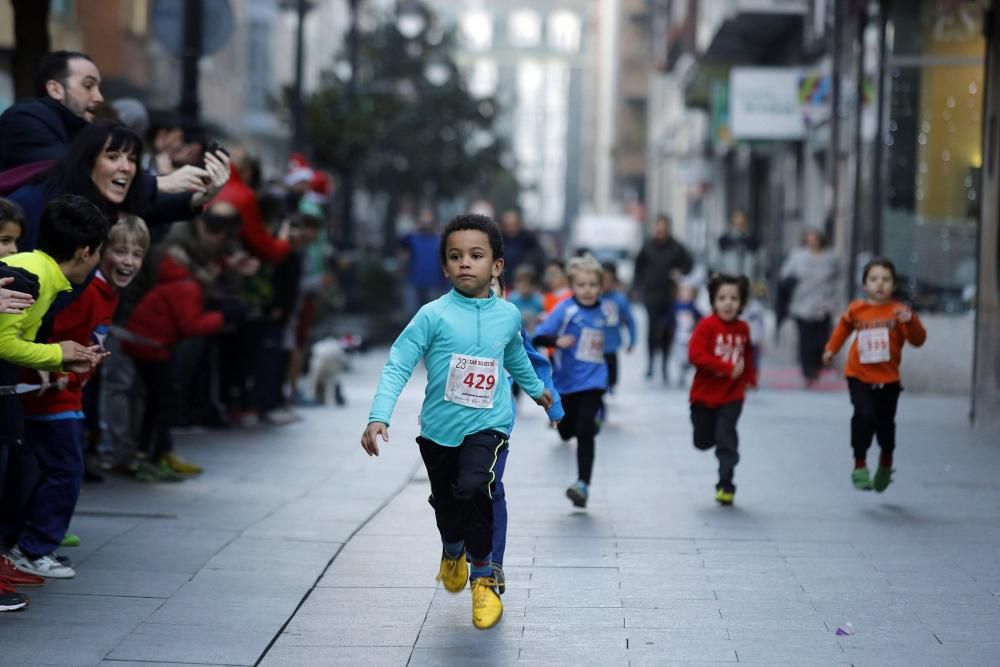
(132, 113)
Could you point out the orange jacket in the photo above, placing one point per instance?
(880, 337)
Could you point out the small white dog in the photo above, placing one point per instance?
(328, 360)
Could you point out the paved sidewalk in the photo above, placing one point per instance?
(236, 568)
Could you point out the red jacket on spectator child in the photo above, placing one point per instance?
(172, 310)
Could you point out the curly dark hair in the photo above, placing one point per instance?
(475, 222)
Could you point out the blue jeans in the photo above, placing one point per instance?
(499, 509)
(58, 449)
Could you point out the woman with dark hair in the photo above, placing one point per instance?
(102, 165)
(815, 271)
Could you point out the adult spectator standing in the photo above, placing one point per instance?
(736, 253)
(421, 263)
(816, 272)
(660, 264)
(520, 246)
(39, 130)
(68, 85)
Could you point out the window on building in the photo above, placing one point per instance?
(524, 28)
(476, 30)
(564, 31)
(482, 78)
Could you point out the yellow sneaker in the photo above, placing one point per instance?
(486, 605)
(181, 465)
(453, 573)
(724, 497)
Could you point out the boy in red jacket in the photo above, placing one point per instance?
(54, 420)
(723, 359)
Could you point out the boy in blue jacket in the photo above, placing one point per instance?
(618, 312)
(576, 328)
(465, 338)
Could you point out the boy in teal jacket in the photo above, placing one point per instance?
(466, 339)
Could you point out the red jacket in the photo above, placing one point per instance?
(256, 237)
(714, 349)
(85, 321)
(172, 310)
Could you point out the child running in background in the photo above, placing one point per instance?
(556, 285)
(686, 318)
(576, 329)
(617, 312)
(54, 420)
(526, 297)
(882, 325)
(723, 361)
(464, 338)
(754, 315)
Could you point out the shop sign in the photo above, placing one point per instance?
(764, 103)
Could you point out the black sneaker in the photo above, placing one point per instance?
(499, 576)
(12, 601)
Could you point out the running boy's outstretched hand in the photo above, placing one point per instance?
(565, 341)
(545, 400)
(827, 357)
(369, 441)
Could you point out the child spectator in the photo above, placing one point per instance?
(526, 297)
(71, 232)
(11, 227)
(54, 420)
(618, 312)
(882, 325)
(685, 318)
(172, 311)
(12, 301)
(466, 416)
(576, 329)
(723, 361)
(556, 285)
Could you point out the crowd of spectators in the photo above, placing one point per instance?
(148, 279)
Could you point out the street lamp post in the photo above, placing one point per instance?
(189, 106)
(300, 11)
(350, 93)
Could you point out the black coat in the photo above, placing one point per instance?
(11, 417)
(35, 130)
(654, 266)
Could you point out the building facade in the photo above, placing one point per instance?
(863, 118)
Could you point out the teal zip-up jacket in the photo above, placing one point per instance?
(458, 325)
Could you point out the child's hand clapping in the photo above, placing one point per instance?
(565, 341)
(904, 315)
(369, 441)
